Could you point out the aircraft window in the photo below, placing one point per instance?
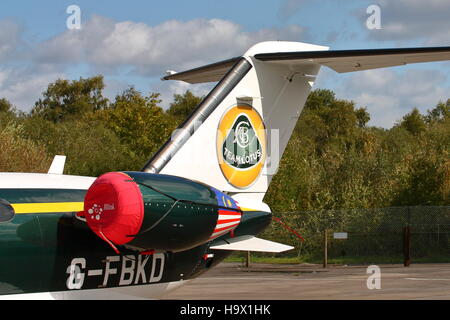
(6, 211)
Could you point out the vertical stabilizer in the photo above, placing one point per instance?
(237, 135)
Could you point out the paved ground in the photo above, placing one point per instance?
(295, 282)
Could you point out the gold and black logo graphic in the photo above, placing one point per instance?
(241, 144)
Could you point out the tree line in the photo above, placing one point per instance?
(333, 160)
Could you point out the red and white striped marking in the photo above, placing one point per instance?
(227, 221)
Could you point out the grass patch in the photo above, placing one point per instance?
(274, 260)
(357, 260)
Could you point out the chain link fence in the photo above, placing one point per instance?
(385, 235)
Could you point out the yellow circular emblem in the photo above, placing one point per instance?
(241, 145)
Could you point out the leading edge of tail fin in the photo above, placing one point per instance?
(237, 135)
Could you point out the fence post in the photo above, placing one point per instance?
(407, 246)
(325, 248)
(247, 260)
(438, 234)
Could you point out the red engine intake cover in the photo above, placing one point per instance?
(114, 207)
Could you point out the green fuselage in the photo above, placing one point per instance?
(47, 251)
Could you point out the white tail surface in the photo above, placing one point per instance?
(238, 146)
(235, 138)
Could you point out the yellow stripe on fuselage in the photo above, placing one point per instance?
(54, 207)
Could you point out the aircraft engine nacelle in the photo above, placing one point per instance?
(160, 212)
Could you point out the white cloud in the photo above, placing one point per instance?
(131, 50)
(405, 20)
(10, 39)
(109, 45)
(23, 89)
(389, 94)
(168, 88)
(123, 51)
(21, 81)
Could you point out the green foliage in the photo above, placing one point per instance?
(339, 162)
(64, 99)
(439, 113)
(362, 117)
(348, 166)
(91, 148)
(424, 178)
(20, 154)
(333, 160)
(183, 105)
(139, 122)
(336, 159)
(5, 105)
(414, 122)
(320, 98)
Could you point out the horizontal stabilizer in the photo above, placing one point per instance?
(250, 243)
(339, 60)
(358, 60)
(209, 73)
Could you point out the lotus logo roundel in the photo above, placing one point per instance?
(241, 145)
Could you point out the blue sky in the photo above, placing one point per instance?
(134, 42)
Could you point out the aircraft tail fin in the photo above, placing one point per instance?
(235, 138)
